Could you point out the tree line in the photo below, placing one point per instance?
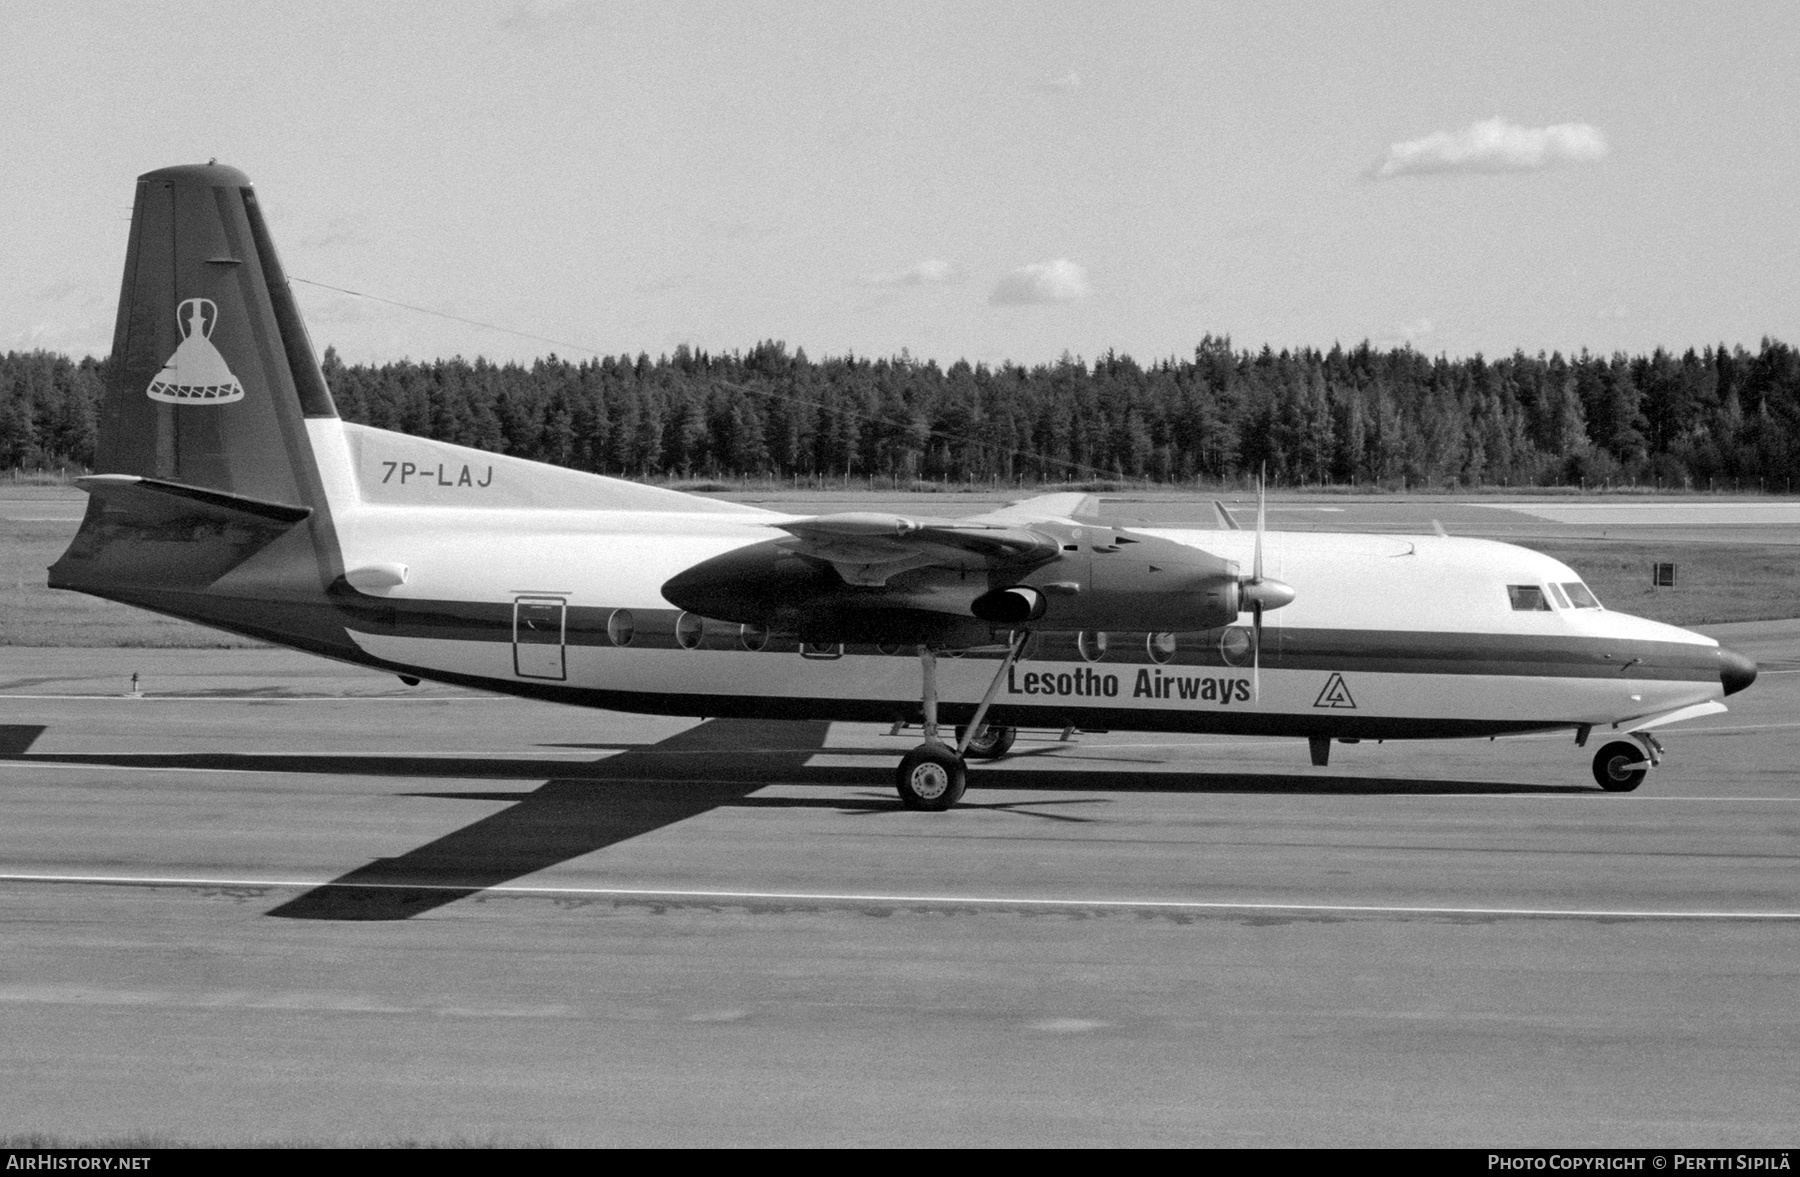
(1716, 417)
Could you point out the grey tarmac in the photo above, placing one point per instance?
(279, 899)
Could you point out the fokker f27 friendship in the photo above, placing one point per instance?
(233, 495)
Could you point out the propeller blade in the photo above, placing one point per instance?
(1262, 503)
(1256, 611)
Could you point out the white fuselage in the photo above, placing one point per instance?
(1387, 635)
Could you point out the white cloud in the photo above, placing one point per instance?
(1066, 84)
(1059, 280)
(930, 272)
(1412, 333)
(1493, 145)
(78, 338)
(550, 19)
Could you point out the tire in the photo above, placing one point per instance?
(1611, 767)
(991, 743)
(931, 777)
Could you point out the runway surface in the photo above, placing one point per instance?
(279, 899)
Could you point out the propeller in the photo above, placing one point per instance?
(1261, 592)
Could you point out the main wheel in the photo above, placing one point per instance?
(990, 743)
(1620, 767)
(931, 776)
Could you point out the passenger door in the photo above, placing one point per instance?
(538, 626)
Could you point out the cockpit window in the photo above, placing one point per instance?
(1528, 598)
(1562, 602)
(1579, 594)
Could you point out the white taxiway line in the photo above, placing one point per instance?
(995, 901)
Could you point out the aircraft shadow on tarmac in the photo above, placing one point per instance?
(716, 764)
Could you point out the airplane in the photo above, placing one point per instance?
(232, 494)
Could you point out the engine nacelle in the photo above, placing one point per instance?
(1115, 580)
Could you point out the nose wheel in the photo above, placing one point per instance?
(1620, 767)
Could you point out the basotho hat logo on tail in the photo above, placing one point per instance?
(196, 374)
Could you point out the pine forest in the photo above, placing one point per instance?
(1707, 419)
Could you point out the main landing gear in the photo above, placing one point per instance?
(990, 741)
(933, 775)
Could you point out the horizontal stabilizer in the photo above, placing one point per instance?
(145, 531)
(154, 495)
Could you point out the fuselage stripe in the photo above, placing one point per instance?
(1363, 651)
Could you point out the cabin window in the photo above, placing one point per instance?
(1528, 598)
(1235, 645)
(1160, 646)
(1092, 645)
(1562, 602)
(621, 627)
(688, 631)
(1580, 596)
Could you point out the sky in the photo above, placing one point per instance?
(968, 180)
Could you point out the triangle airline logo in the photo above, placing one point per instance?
(1335, 694)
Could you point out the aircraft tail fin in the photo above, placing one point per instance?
(203, 452)
(212, 374)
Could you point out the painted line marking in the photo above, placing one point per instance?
(905, 900)
(1540, 504)
(1742, 727)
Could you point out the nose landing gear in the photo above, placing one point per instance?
(1620, 767)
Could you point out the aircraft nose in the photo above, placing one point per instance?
(1735, 671)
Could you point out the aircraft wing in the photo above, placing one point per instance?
(1073, 505)
(869, 548)
(869, 576)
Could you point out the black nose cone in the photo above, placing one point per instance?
(1735, 671)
